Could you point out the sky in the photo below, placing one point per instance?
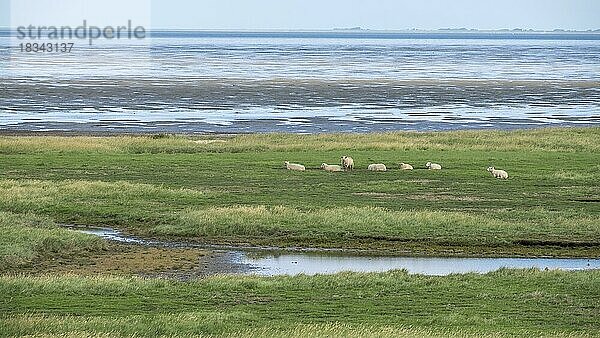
(314, 14)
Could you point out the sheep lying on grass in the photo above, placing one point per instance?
(331, 168)
(433, 166)
(294, 166)
(347, 163)
(500, 174)
(406, 166)
(377, 167)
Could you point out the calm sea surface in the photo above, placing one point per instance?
(205, 82)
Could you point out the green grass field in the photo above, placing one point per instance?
(233, 189)
(504, 303)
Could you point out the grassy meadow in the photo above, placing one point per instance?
(503, 303)
(235, 190)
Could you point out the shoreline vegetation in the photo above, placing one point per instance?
(234, 189)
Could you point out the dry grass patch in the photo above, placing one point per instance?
(549, 139)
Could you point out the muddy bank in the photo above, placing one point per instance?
(233, 106)
(145, 261)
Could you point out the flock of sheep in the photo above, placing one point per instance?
(347, 164)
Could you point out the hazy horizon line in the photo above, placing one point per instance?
(360, 29)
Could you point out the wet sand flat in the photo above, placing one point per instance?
(203, 83)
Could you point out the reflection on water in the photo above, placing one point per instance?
(311, 264)
(267, 262)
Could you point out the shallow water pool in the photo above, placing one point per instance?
(274, 261)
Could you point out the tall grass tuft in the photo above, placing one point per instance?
(27, 238)
(374, 223)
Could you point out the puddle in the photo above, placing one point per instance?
(292, 264)
(272, 262)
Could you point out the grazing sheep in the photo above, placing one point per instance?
(331, 168)
(406, 166)
(377, 167)
(294, 166)
(500, 174)
(433, 166)
(347, 163)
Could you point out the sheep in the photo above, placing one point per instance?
(377, 167)
(406, 166)
(433, 166)
(331, 168)
(347, 163)
(500, 174)
(294, 166)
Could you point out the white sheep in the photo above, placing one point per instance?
(347, 163)
(500, 174)
(294, 166)
(406, 166)
(331, 168)
(433, 166)
(377, 167)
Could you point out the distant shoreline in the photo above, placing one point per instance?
(354, 33)
(372, 34)
(368, 30)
